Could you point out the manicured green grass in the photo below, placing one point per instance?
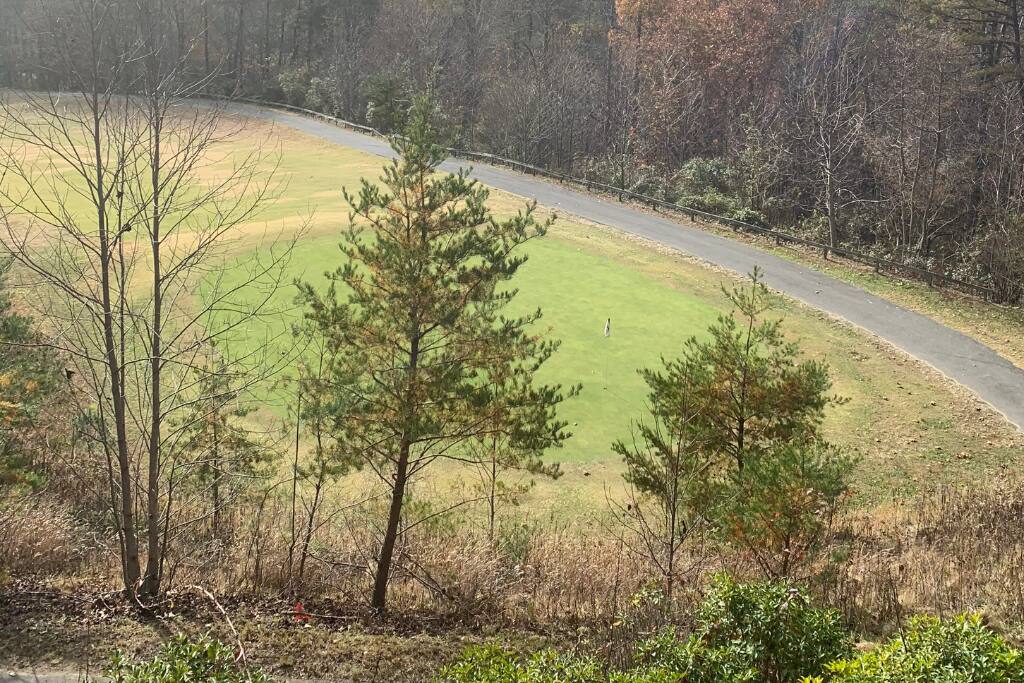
(577, 291)
(911, 428)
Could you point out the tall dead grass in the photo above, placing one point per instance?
(40, 537)
(949, 552)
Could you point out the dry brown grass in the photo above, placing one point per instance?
(40, 537)
(949, 552)
(943, 552)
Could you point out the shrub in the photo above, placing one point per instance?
(701, 176)
(294, 83)
(780, 509)
(755, 633)
(490, 663)
(185, 660)
(960, 650)
(493, 664)
(28, 379)
(766, 632)
(695, 661)
(387, 106)
(320, 96)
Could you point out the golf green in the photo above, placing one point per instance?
(578, 293)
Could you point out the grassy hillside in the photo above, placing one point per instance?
(910, 426)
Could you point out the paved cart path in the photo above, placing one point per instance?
(962, 359)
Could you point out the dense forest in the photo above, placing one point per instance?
(895, 126)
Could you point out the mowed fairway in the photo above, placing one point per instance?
(910, 427)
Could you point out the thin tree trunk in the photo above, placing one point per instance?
(310, 521)
(673, 514)
(216, 467)
(151, 585)
(240, 45)
(387, 550)
(491, 499)
(206, 37)
(292, 539)
(265, 50)
(132, 571)
(830, 201)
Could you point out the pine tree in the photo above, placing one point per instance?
(736, 441)
(667, 464)
(753, 388)
(422, 322)
(226, 454)
(522, 427)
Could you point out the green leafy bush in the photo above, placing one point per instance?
(294, 84)
(320, 96)
(29, 375)
(694, 661)
(700, 176)
(766, 632)
(960, 650)
(490, 663)
(185, 660)
(713, 186)
(387, 107)
(745, 633)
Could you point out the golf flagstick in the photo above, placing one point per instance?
(607, 335)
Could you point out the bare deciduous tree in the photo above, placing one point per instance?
(110, 208)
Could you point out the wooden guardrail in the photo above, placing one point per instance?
(880, 265)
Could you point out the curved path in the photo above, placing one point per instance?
(962, 359)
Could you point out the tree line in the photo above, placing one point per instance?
(892, 125)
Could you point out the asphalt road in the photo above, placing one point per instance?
(962, 359)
